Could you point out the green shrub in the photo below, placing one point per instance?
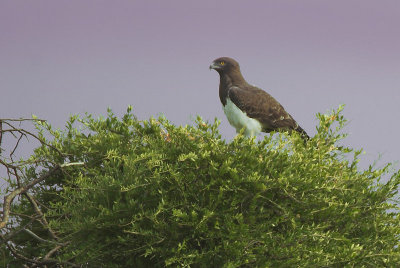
(152, 194)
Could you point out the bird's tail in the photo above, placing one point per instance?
(302, 133)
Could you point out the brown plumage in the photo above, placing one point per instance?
(254, 102)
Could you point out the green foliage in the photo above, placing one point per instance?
(152, 194)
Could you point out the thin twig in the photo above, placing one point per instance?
(7, 165)
(43, 240)
(16, 145)
(20, 256)
(39, 262)
(7, 237)
(22, 119)
(52, 251)
(1, 133)
(24, 131)
(43, 220)
(49, 254)
(17, 176)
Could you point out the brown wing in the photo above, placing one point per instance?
(259, 105)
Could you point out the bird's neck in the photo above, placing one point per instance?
(234, 78)
(227, 81)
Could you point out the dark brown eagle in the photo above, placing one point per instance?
(250, 107)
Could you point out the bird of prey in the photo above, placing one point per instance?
(250, 107)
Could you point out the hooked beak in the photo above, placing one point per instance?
(214, 66)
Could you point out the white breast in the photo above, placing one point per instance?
(239, 119)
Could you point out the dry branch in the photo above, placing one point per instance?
(43, 220)
(12, 127)
(10, 197)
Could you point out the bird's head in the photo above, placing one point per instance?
(224, 64)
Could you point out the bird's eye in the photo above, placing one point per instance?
(222, 62)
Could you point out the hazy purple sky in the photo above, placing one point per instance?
(65, 57)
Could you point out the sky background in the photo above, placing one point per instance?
(65, 57)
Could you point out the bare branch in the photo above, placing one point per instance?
(7, 237)
(16, 145)
(13, 169)
(43, 240)
(22, 119)
(39, 262)
(27, 133)
(72, 164)
(1, 133)
(51, 252)
(19, 256)
(10, 197)
(7, 165)
(43, 220)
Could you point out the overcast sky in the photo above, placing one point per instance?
(65, 57)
